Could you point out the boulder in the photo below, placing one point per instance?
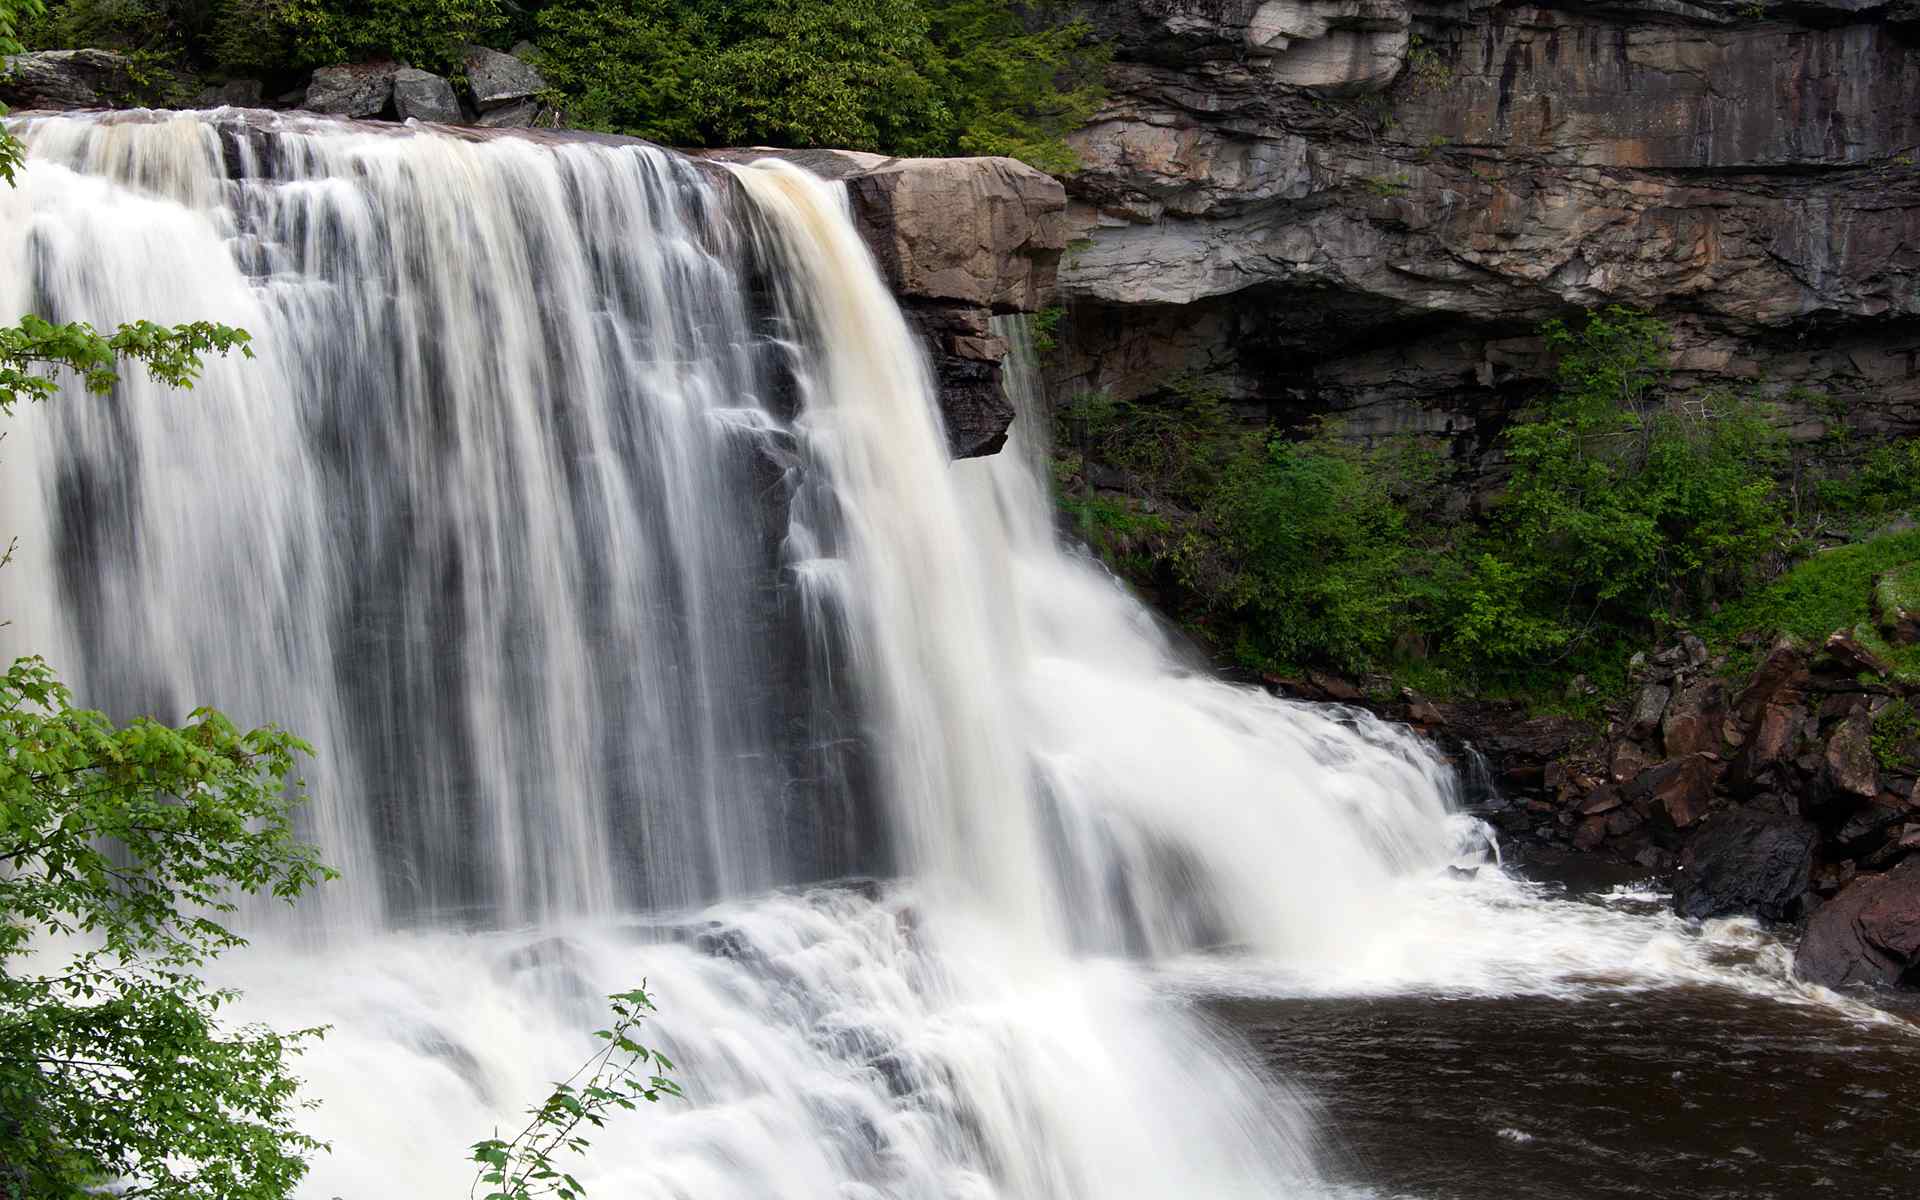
(1693, 718)
(1682, 788)
(497, 80)
(1648, 708)
(66, 79)
(1849, 759)
(1783, 670)
(1867, 934)
(1746, 863)
(510, 116)
(354, 90)
(1853, 658)
(234, 93)
(423, 96)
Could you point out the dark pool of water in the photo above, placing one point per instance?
(1694, 1093)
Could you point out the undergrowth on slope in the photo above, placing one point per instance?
(1631, 509)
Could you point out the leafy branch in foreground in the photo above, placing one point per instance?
(618, 1077)
(121, 849)
(33, 353)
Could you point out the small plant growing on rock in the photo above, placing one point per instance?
(1427, 71)
(1045, 327)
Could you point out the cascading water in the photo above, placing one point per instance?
(588, 509)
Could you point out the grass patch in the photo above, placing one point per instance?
(1832, 590)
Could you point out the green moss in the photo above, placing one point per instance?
(1896, 728)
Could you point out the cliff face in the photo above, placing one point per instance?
(1365, 207)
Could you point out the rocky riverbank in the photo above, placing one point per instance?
(1785, 790)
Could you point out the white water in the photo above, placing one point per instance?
(593, 517)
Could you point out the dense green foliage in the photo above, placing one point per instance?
(427, 33)
(1833, 589)
(896, 76)
(621, 1075)
(1628, 507)
(270, 37)
(1309, 551)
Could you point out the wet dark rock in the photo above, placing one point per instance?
(1868, 934)
(423, 96)
(497, 79)
(58, 79)
(1743, 863)
(1865, 829)
(355, 90)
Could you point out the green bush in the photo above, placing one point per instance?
(1304, 550)
(428, 34)
(907, 77)
(1883, 486)
(1831, 590)
(1628, 505)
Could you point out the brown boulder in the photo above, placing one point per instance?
(1783, 670)
(1853, 658)
(1693, 718)
(1682, 788)
(1774, 737)
(1628, 761)
(1869, 933)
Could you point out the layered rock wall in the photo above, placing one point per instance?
(1381, 244)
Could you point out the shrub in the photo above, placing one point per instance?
(895, 76)
(426, 33)
(1629, 506)
(1304, 549)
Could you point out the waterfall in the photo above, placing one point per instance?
(589, 510)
